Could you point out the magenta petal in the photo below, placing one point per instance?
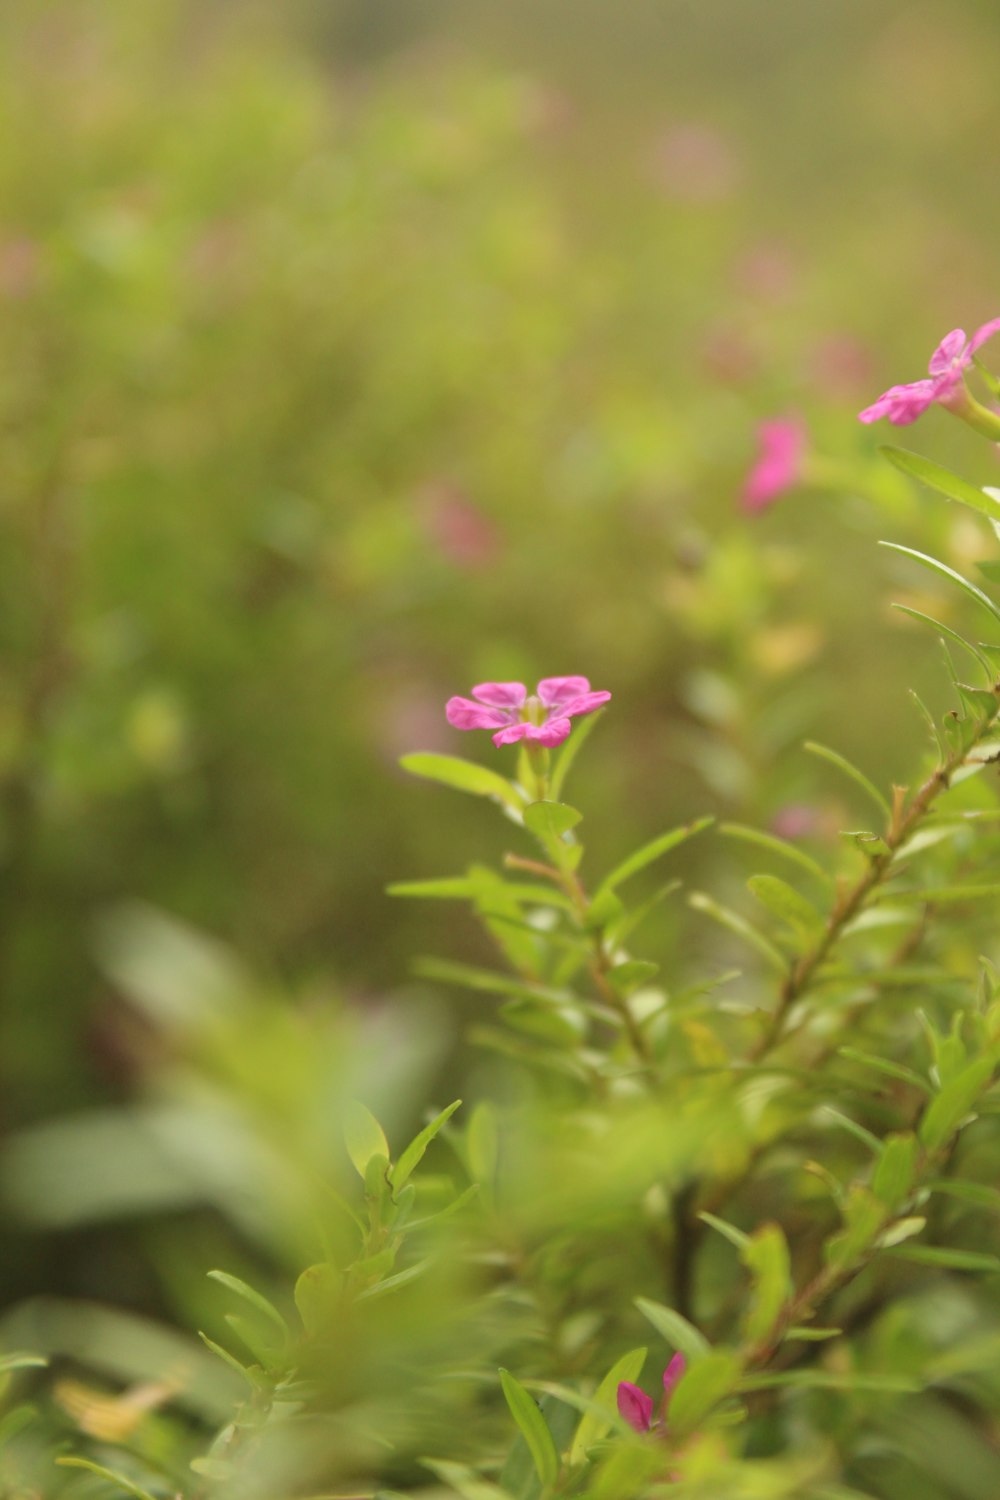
(555, 691)
(463, 714)
(551, 733)
(635, 1406)
(585, 704)
(672, 1374)
(982, 334)
(501, 694)
(781, 445)
(512, 734)
(949, 349)
(911, 401)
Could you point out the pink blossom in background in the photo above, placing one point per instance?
(461, 533)
(796, 820)
(695, 162)
(778, 466)
(541, 719)
(637, 1408)
(903, 404)
(841, 365)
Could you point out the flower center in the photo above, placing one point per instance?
(533, 711)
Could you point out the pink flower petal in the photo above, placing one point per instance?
(512, 734)
(982, 334)
(950, 347)
(635, 1406)
(903, 404)
(555, 691)
(461, 713)
(672, 1374)
(551, 733)
(501, 694)
(585, 704)
(778, 465)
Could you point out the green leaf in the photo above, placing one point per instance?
(319, 1297)
(595, 1423)
(953, 1260)
(942, 480)
(20, 1359)
(810, 1335)
(548, 821)
(702, 902)
(255, 1298)
(884, 1065)
(630, 975)
(654, 850)
(939, 567)
(978, 1194)
(678, 1332)
(116, 1479)
(786, 903)
(463, 775)
(252, 1374)
(858, 777)
(853, 1128)
(533, 1429)
(766, 1257)
(401, 1173)
(604, 909)
(902, 1229)
(735, 1236)
(582, 730)
(703, 1386)
(776, 846)
(948, 893)
(896, 1171)
(363, 1136)
(946, 630)
(945, 1113)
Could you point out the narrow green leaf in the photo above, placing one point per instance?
(952, 1260)
(945, 1113)
(939, 567)
(597, 1421)
(735, 1236)
(582, 730)
(533, 1429)
(401, 1173)
(809, 1335)
(902, 1229)
(702, 902)
(766, 1257)
(463, 776)
(482, 1143)
(319, 1294)
(886, 1066)
(948, 894)
(252, 1375)
(858, 777)
(785, 902)
(942, 480)
(363, 1136)
(654, 850)
(19, 1359)
(779, 847)
(946, 630)
(701, 1387)
(118, 1480)
(548, 821)
(469, 977)
(255, 1298)
(631, 974)
(978, 1194)
(678, 1332)
(894, 1175)
(853, 1128)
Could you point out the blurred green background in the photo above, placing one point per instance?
(354, 353)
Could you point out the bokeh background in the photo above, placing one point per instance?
(354, 353)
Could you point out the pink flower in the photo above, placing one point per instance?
(903, 404)
(542, 719)
(637, 1408)
(779, 463)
